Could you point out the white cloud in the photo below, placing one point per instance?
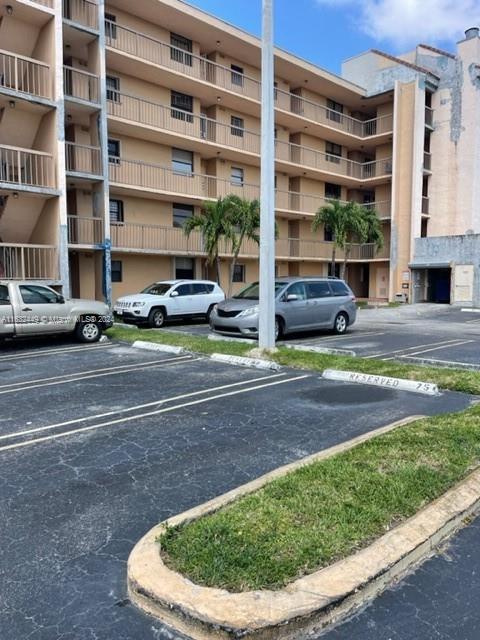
(407, 22)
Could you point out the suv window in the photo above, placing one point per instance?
(298, 289)
(339, 288)
(199, 288)
(184, 289)
(32, 294)
(4, 297)
(318, 290)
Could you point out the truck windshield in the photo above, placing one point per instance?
(157, 289)
(252, 292)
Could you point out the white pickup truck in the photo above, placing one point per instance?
(29, 309)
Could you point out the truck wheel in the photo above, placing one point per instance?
(88, 331)
(156, 318)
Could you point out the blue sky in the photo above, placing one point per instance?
(328, 31)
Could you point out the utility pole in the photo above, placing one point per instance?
(266, 333)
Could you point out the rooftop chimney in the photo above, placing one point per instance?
(473, 32)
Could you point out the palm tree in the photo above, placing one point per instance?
(245, 219)
(333, 216)
(355, 230)
(214, 223)
(364, 226)
(373, 227)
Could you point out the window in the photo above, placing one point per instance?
(110, 26)
(116, 211)
(181, 213)
(236, 177)
(179, 46)
(238, 273)
(114, 151)
(182, 106)
(275, 181)
(327, 234)
(237, 126)
(297, 289)
(333, 191)
(337, 270)
(32, 294)
(318, 289)
(4, 297)
(117, 275)
(334, 152)
(184, 289)
(182, 161)
(201, 288)
(113, 88)
(339, 288)
(335, 110)
(184, 268)
(275, 90)
(237, 75)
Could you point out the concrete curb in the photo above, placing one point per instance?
(399, 384)
(214, 336)
(326, 350)
(241, 361)
(122, 325)
(310, 603)
(156, 346)
(471, 310)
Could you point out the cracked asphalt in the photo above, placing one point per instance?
(98, 444)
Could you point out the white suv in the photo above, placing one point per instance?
(170, 299)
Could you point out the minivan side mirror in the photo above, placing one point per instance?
(291, 297)
(174, 294)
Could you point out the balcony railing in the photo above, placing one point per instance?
(45, 3)
(25, 167)
(427, 161)
(429, 117)
(84, 12)
(83, 230)
(28, 262)
(425, 205)
(25, 75)
(81, 84)
(82, 158)
(160, 53)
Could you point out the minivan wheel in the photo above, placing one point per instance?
(341, 323)
(278, 328)
(156, 318)
(88, 331)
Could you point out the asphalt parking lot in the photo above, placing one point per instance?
(428, 334)
(99, 443)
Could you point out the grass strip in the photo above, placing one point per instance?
(452, 379)
(327, 510)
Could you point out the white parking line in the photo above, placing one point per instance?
(126, 369)
(148, 414)
(42, 352)
(457, 344)
(137, 407)
(348, 337)
(404, 349)
(445, 363)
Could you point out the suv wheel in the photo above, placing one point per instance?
(341, 323)
(209, 312)
(156, 318)
(88, 331)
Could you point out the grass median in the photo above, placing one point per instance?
(452, 379)
(327, 510)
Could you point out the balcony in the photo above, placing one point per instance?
(81, 12)
(28, 262)
(25, 75)
(45, 3)
(81, 85)
(85, 231)
(185, 63)
(425, 205)
(26, 168)
(84, 159)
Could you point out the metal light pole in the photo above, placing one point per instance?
(266, 333)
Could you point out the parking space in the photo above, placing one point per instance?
(99, 444)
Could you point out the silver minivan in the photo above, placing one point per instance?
(301, 304)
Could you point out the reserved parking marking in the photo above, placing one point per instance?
(148, 414)
(387, 382)
(78, 377)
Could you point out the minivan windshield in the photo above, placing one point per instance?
(252, 292)
(157, 289)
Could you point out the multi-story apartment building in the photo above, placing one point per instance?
(117, 121)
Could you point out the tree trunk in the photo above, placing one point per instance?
(217, 264)
(334, 254)
(343, 268)
(232, 271)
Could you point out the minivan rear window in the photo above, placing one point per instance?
(339, 288)
(252, 292)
